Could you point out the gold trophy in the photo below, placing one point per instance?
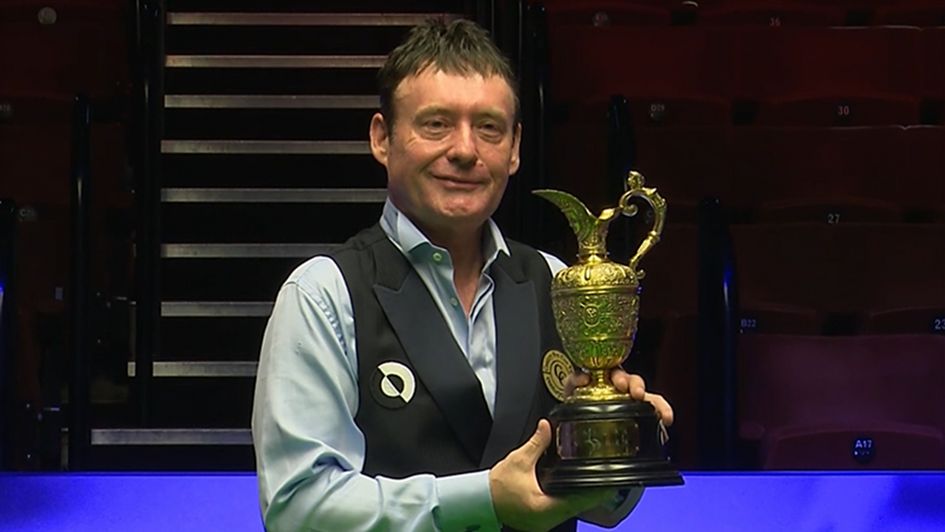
(602, 437)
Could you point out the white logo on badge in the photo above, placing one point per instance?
(397, 381)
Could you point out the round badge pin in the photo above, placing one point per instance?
(393, 385)
(555, 369)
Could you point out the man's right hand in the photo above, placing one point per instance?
(517, 497)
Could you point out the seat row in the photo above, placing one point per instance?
(64, 47)
(689, 75)
(770, 174)
(772, 13)
(810, 278)
(857, 402)
(810, 401)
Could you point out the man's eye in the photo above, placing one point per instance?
(435, 124)
(491, 129)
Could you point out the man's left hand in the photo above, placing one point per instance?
(627, 383)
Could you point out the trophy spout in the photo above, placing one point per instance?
(590, 230)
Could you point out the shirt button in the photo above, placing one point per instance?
(454, 302)
(437, 256)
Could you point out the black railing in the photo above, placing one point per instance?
(7, 316)
(149, 91)
(79, 309)
(717, 337)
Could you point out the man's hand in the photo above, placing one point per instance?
(627, 383)
(517, 497)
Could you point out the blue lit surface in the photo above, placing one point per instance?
(708, 502)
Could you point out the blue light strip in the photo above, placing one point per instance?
(841, 502)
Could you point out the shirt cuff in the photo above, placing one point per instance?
(611, 513)
(465, 503)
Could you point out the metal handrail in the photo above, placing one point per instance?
(7, 316)
(79, 434)
(718, 335)
(150, 77)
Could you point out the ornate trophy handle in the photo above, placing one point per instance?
(635, 189)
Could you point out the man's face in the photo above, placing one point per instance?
(451, 152)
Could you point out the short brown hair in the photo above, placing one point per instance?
(457, 47)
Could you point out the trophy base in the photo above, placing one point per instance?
(605, 444)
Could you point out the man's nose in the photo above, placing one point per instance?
(463, 150)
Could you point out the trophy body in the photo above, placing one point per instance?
(602, 437)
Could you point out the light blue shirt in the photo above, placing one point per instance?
(309, 451)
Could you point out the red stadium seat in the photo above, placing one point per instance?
(772, 318)
(842, 268)
(771, 13)
(35, 152)
(922, 13)
(828, 76)
(921, 186)
(829, 210)
(932, 50)
(606, 13)
(865, 445)
(668, 85)
(63, 47)
(807, 398)
(914, 320)
(670, 286)
(816, 174)
(686, 163)
(670, 76)
(677, 367)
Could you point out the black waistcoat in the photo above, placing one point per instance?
(445, 428)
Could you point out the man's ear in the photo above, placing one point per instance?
(380, 138)
(515, 160)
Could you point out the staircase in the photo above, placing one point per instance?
(258, 159)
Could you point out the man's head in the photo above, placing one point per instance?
(456, 139)
(460, 47)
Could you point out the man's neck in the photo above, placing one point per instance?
(465, 249)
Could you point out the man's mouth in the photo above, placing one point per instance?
(458, 182)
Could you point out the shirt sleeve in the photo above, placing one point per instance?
(309, 451)
(554, 263)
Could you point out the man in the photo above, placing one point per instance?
(399, 379)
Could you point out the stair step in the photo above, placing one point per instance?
(273, 195)
(272, 61)
(283, 40)
(273, 170)
(203, 368)
(215, 309)
(302, 19)
(310, 147)
(271, 101)
(254, 250)
(234, 223)
(257, 124)
(220, 339)
(322, 6)
(238, 279)
(171, 437)
(270, 81)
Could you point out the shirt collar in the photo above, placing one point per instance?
(408, 237)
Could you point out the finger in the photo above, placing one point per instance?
(627, 383)
(663, 409)
(536, 445)
(575, 380)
